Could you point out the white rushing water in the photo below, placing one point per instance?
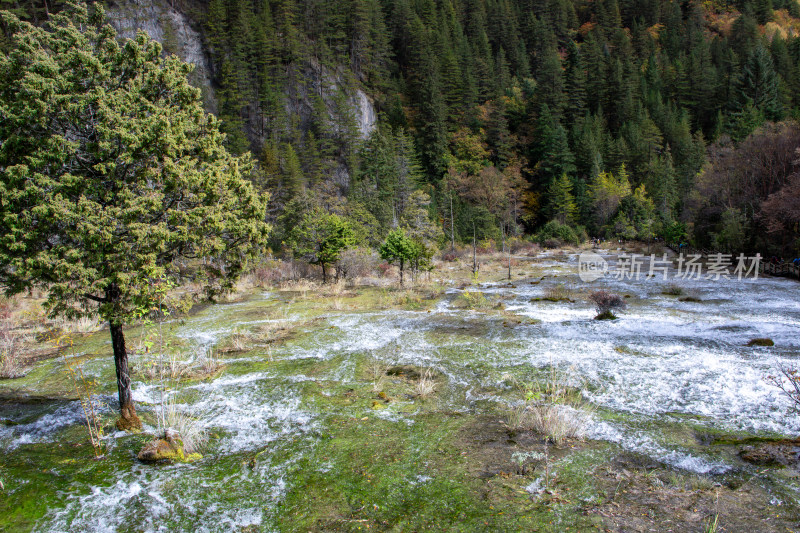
(662, 359)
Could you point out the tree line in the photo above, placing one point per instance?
(507, 114)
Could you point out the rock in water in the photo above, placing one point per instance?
(168, 449)
(159, 450)
(761, 342)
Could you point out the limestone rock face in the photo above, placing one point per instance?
(348, 109)
(162, 22)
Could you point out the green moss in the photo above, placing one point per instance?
(606, 315)
(400, 477)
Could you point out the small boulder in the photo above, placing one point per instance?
(159, 450)
(761, 342)
(167, 449)
(778, 453)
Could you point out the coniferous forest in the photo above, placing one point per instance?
(610, 118)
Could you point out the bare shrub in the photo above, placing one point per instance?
(450, 255)
(788, 381)
(6, 308)
(271, 273)
(303, 270)
(376, 370)
(384, 269)
(606, 302)
(10, 364)
(86, 390)
(522, 247)
(356, 263)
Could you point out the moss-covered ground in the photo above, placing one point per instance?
(317, 421)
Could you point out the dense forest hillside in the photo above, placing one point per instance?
(613, 118)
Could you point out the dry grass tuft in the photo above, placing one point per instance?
(11, 344)
(80, 325)
(426, 385)
(276, 330)
(192, 433)
(557, 421)
(376, 370)
(552, 409)
(175, 366)
(237, 341)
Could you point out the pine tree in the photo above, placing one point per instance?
(143, 187)
(758, 85)
(293, 179)
(550, 84)
(551, 149)
(561, 202)
(574, 85)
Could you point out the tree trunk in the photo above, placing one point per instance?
(324, 274)
(128, 419)
(474, 252)
(452, 227)
(401, 272)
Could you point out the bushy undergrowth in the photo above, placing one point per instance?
(554, 234)
(559, 292)
(475, 300)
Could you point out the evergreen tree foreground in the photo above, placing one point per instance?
(113, 179)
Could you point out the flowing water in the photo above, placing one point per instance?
(663, 366)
